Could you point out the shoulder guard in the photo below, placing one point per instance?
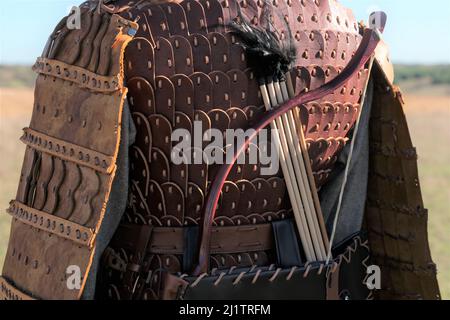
(396, 218)
(384, 63)
(70, 160)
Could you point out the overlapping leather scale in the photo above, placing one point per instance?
(61, 188)
(185, 65)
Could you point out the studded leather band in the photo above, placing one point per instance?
(9, 292)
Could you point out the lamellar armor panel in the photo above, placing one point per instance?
(70, 159)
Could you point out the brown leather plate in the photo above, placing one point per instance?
(201, 51)
(157, 21)
(176, 18)
(237, 54)
(156, 201)
(198, 171)
(194, 203)
(254, 97)
(214, 15)
(145, 138)
(239, 88)
(195, 16)
(174, 198)
(220, 52)
(203, 87)
(141, 96)
(184, 94)
(182, 53)
(164, 58)
(165, 98)
(140, 60)
(238, 118)
(219, 120)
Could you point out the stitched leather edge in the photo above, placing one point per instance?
(68, 151)
(82, 77)
(345, 257)
(9, 292)
(52, 224)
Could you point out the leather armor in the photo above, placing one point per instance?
(178, 64)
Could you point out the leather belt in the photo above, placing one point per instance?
(168, 240)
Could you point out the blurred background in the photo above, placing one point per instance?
(420, 50)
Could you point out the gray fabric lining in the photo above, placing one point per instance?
(354, 200)
(117, 200)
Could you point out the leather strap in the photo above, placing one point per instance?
(80, 76)
(288, 252)
(333, 283)
(51, 223)
(191, 236)
(170, 241)
(68, 151)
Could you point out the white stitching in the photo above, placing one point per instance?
(255, 278)
(239, 278)
(307, 271)
(320, 269)
(272, 279)
(216, 283)
(197, 281)
(291, 273)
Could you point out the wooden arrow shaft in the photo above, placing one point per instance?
(280, 141)
(298, 178)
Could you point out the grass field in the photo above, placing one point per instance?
(15, 112)
(428, 112)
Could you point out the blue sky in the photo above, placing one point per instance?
(417, 31)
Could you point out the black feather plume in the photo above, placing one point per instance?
(267, 55)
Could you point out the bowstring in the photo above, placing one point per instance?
(347, 169)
